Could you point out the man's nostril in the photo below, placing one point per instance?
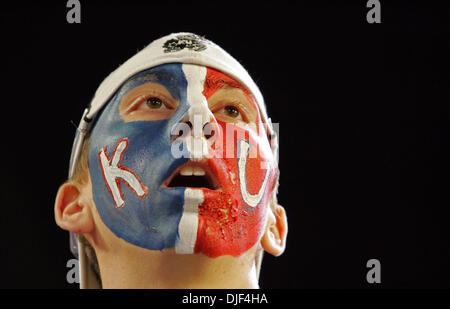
(208, 130)
(181, 130)
(184, 129)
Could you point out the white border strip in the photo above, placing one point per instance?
(187, 229)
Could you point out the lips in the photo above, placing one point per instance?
(193, 175)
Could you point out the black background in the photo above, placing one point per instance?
(364, 128)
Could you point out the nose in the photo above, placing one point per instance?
(198, 137)
(187, 128)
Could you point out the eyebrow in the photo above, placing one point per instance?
(149, 77)
(214, 82)
(126, 87)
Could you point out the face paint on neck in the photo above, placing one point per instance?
(134, 172)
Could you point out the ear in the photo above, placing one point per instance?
(274, 238)
(72, 211)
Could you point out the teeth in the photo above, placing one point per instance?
(187, 171)
(198, 171)
(192, 171)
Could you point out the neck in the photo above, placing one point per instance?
(134, 267)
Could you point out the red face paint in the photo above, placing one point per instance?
(227, 224)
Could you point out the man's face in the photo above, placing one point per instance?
(179, 158)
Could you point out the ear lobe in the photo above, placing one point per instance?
(72, 212)
(274, 239)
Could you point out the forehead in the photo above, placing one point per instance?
(172, 76)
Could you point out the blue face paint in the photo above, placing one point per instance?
(143, 214)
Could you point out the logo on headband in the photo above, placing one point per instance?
(189, 41)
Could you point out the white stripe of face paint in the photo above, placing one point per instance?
(252, 200)
(199, 113)
(187, 229)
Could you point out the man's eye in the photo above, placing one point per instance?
(154, 103)
(231, 111)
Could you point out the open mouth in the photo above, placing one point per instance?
(192, 176)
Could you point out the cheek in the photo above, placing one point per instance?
(126, 182)
(228, 223)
